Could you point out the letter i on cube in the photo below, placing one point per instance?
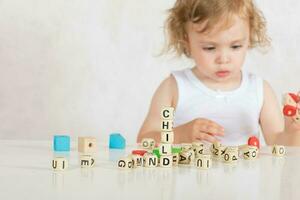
(59, 163)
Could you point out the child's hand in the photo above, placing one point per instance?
(292, 125)
(199, 129)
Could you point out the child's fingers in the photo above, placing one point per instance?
(214, 124)
(213, 129)
(210, 126)
(209, 138)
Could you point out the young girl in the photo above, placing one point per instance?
(217, 100)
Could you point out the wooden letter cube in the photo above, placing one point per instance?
(167, 137)
(186, 146)
(166, 160)
(221, 152)
(192, 155)
(59, 163)
(137, 160)
(166, 125)
(87, 161)
(231, 155)
(203, 162)
(87, 145)
(175, 159)
(197, 144)
(215, 146)
(278, 150)
(148, 143)
(250, 153)
(167, 113)
(125, 163)
(198, 148)
(186, 157)
(165, 149)
(150, 160)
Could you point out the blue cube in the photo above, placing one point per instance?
(61, 143)
(116, 141)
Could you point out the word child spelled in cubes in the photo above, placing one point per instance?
(167, 137)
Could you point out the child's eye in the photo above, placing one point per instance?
(236, 46)
(209, 48)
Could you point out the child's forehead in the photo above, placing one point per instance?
(237, 28)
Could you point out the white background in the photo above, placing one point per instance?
(90, 67)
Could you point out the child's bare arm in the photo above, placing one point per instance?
(197, 129)
(272, 122)
(163, 96)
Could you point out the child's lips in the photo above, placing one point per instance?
(222, 73)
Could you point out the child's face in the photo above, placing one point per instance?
(219, 54)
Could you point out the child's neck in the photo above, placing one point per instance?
(230, 84)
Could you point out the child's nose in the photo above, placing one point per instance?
(223, 58)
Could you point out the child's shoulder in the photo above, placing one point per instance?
(167, 91)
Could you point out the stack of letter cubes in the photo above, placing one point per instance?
(167, 137)
(86, 148)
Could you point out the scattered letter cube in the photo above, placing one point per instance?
(231, 155)
(59, 163)
(250, 152)
(87, 161)
(278, 150)
(148, 143)
(137, 160)
(203, 162)
(125, 163)
(87, 144)
(150, 160)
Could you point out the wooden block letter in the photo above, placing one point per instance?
(150, 160)
(148, 143)
(59, 163)
(125, 163)
(137, 160)
(87, 161)
(203, 162)
(166, 125)
(166, 160)
(167, 113)
(278, 150)
(167, 137)
(87, 145)
(165, 149)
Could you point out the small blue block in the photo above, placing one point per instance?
(116, 141)
(61, 143)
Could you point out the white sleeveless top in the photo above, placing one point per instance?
(237, 111)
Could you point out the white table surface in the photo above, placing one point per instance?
(25, 173)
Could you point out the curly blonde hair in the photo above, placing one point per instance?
(211, 11)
